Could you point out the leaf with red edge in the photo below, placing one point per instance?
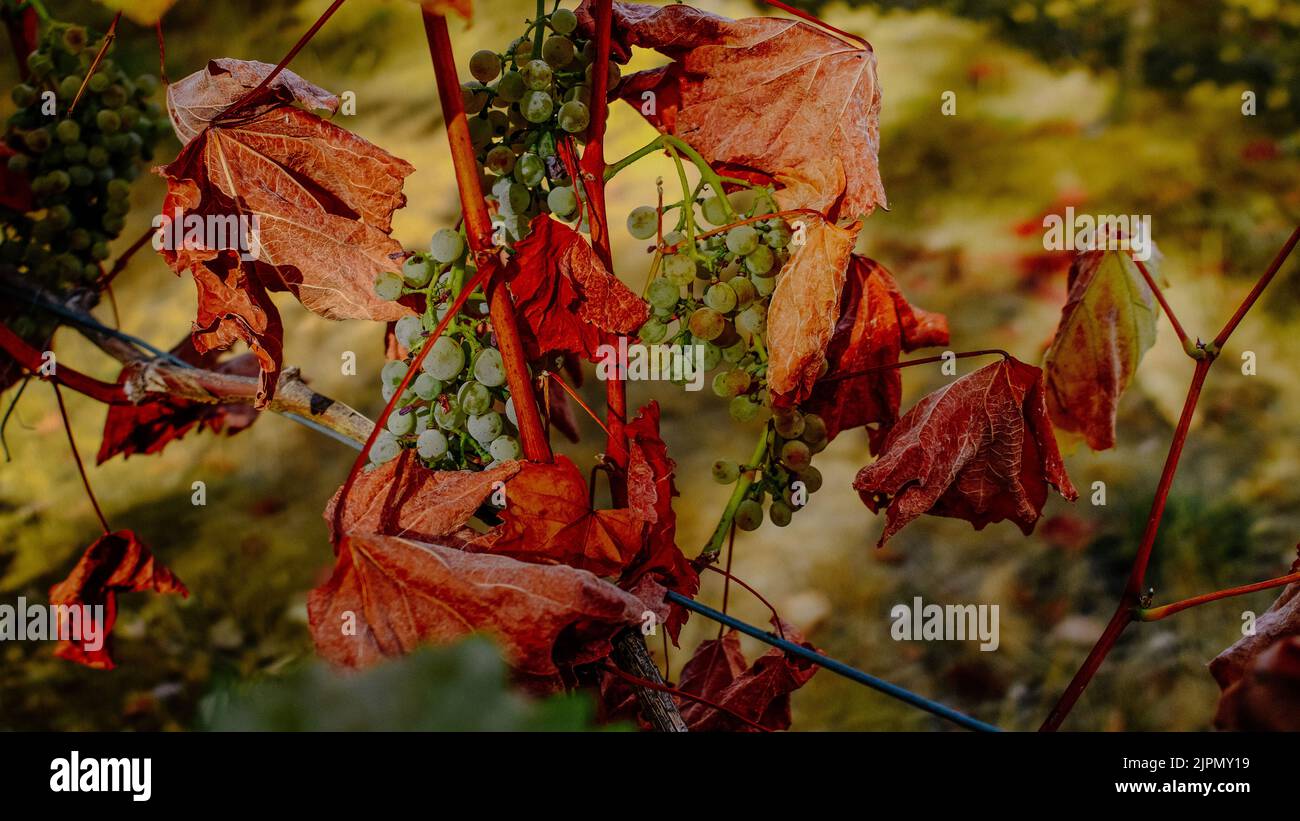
(404, 498)
(387, 595)
(980, 449)
(875, 325)
(548, 518)
(759, 692)
(323, 199)
(802, 317)
(115, 563)
(149, 426)
(566, 299)
(754, 94)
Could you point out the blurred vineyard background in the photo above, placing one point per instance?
(1112, 107)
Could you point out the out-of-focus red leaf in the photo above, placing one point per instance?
(149, 426)
(805, 306)
(323, 199)
(15, 189)
(565, 297)
(1267, 696)
(875, 325)
(387, 595)
(549, 519)
(760, 692)
(755, 94)
(115, 563)
(981, 449)
(404, 498)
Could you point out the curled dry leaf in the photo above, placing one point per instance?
(387, 595)
(1280, 622)
(549, 519)
(316, 203)
(1107, 324)
(115, 563)
(566, 298)
(1267, 697)
(805, 304)
(751, 95)
(149, 426)
(980, 449)
(760, 692)
(876, 324)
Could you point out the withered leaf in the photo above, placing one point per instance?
(317, 202)
(1279, 622)
(980, 449)
(1107, 324)
(805, 305)
(387, 595)
(754, 94)
(566, 298)
(875, 325)
(115, 563)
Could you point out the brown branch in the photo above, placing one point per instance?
(633, 658)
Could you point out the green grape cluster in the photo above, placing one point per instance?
(79, 166)
(521, 103)
(457, 412)
(785, 476)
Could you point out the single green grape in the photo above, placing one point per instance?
(731, 383)
(715, 210)
(68, 131)
(788, 423)
(743, 408)
(744, 291)
(489, 368)
(511, 86)
(574, 116)
(725, 472)
(445, 360)
(448, 417)
(780, 513)
(761, 261)
(474, 397)
(652, 331)
(416, 271)
(795, 455)
(426, 387)
(558, 51)
(485, 427)
(814, 429)
(564, 21)
(108, 121)
(500, 160)
(711, 357)
(473, 96)
(530, 170)
(388, 285)
(408, 331)
(664, 293)
(431, 444)
(643, 222)
(446, 245)
(484, 65)
(393, 372)
(707, 324)
(749, 515)
(721, 298)
(778, 233)
(505, 448)
(562, 201)
(742, 239)
(385, 448)
(400, 424)
(537, 75)
(680, 268)
(480, 132)
(811, 478)
(537, 106)
(752, 321)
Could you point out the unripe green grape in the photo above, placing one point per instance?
(480, 131)
(742, 239)
(796, 455)
(118, 189)
(99, 251)
(113, 224)
(474, 398)
(761, 262)
(537, 106)
(68, 87)
(612, 75)
(388, 285)
(97, 157)
(731, 383)
(744, 291)
(73, 40)
(445, 360)
(450, 417)
(37, 140)
(711, 357)
(426, 387)
(581, 93)
(673, 238)
(574, 116)
(764, 285)
(788, 423)
(511, 86)
(431, 445)
(407, 331)
(484, 65)
(811, 478)
(146, 85)
(385, 448)
(513, 197)
(752, 321)
(652, 331)
(749, 515)
(500, 122)
(743, 409)
(68, 131)
(706, 324)
(489, 368)
(780, 513)
(561, 201)
(504, 448)
(79, 239)
(530, 169)
(39, 64)
(23, 95)
(108, 121)
(558, 52)
(814, 429)
(393, 372)
(473, 96)
(446, 245)
(114, 96)
(715, 210)
(60, 216)
(416, 271)
(664, 293)
(680, 268)
(522, 50)
(643, 222)
(500, 160)
(484, 427)
(510, 411)
(564, 21)
(725, 472)
(778, 233)
(537, 75)
(400, 424)
(720, 298)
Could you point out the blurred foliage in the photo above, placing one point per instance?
(460, 688)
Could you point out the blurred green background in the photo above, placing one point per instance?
(1113, 107)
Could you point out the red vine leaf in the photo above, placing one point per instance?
(115, 563)
(403, 498)
(149, 426)
(1280, 622)
(753, 95)
(1267, 697)
(802, 316)
(1107, 324)
(760, 692)
(387, 595)
(565, 297)
(548, 519)
(322, 198)
(876, 324)
(981, 449)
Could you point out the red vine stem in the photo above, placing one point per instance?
(780, 631)
(559, 380)
(33, 360)
(673, 691)
(109, 36)
(76, 457)
(817, 21)
(907, 363)
(162, 53)
(1188, 345)
(1158, 613)
(478, 229)
(1129, 605)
